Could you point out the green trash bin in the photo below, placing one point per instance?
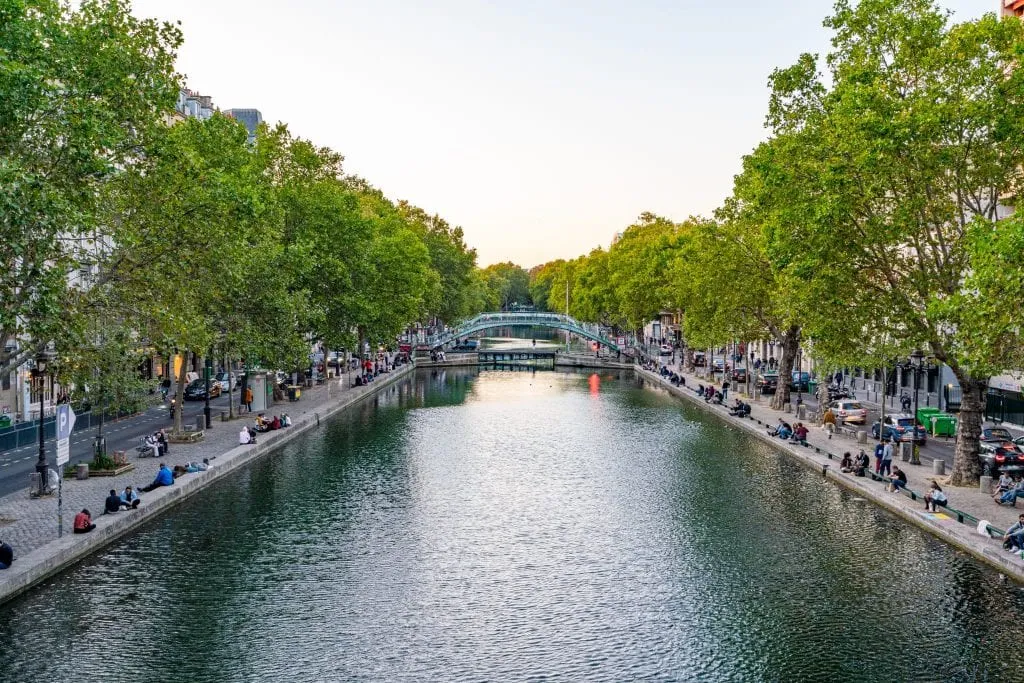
(924, 415)
(5, 421)
(943, 424)
(812, 387)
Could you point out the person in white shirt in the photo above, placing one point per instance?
(243, 436)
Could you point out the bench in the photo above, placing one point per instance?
(146, 450)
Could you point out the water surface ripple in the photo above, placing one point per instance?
(521, 526)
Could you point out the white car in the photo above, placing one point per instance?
(849, 411)
(666, 350)
(227, 380)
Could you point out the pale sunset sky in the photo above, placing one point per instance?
(542, 127)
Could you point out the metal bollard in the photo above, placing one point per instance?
(938, 467)
(985, 483)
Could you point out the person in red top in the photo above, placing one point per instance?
(83, 522)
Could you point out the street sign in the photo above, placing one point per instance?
(621, 341)
(63, 451)
(65, 422)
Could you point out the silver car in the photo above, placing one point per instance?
(849, 411)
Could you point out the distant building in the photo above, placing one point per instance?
(1013, 8)
(250, 118)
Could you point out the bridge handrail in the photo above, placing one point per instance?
(483, 320)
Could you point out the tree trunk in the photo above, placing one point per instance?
(968, 431)
(179, 392)
(231, 403)
(688, 363)
(822, 400)
(790, 343)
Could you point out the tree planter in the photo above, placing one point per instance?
(120, 469)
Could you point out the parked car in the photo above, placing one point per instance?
(998, 456)
(901, 427)
(666, 350)
(851, 412)
(739, 375)
(196, 390)
(801, 381)
(699, 359)
(718, 365)
(768, 383)
(996, 434)
(227, 381)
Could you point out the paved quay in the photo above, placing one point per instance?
(30, 525)
(970, 500)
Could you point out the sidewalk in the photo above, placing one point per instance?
(30, 525)
(971, 500)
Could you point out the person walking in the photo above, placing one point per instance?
(828, 422)
(879, 451)
(887, 452)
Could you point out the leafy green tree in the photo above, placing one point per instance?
(81, 88)
(198, 230)
(913, 135)
(507, 284)
(450, 258)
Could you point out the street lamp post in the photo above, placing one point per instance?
(750, 366)
(799, 378)
(39, 373)
(208, 371)
(916, 361)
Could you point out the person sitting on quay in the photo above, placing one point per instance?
(1003, 484)
(164, 477)
(800, 434)
(285, 420)
(860, 466)
(130, 499)
(204, 465)
(161, 439)
(846, 465)
(719, 398)
(782, 430)
(1010, 496)
(275, 424)
(6, 555)
(83, 522)
(1013, 539)
(261, 424)
(244, 437)
(899, 480)
(828, 422)
(935, 497)
(112, 504)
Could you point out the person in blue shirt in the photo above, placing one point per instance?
(130, 499)
(1014, 538)
(163, 478)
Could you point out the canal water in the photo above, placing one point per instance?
(521, 526)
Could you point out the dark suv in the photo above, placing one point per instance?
(998, 453)
(768, 383)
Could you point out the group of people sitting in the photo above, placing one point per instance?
(158, 442)
(710, 394)
(437, 356)
(1007, 490)
(126, 500)
(934, 497)
(740, 409)
(787, 432)
(674, 378)
(261, 424)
